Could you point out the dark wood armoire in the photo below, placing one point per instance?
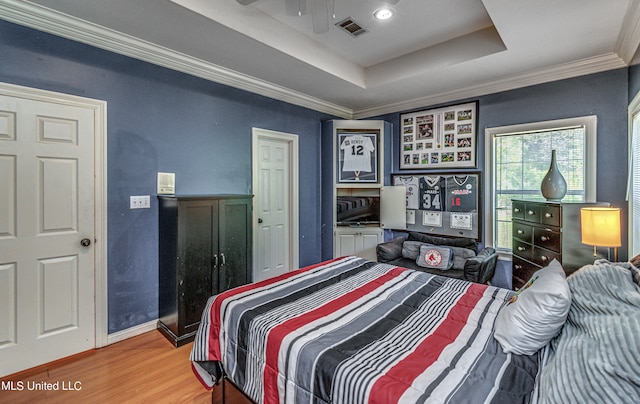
(204, 249)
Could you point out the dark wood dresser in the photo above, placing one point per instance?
(543, 231)
(204, 249)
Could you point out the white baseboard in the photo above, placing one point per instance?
(132, 332)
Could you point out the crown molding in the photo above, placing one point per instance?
(582, 67)
(60, 24)
(629, 37)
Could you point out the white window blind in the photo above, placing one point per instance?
(634, 194)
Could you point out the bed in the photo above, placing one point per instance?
(350, 330)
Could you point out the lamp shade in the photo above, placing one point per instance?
(600, 226)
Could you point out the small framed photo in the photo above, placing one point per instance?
(358, 154)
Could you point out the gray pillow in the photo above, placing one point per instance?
(411, 249)
(436, 257)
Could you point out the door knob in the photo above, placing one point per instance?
(259, 220)
(85, 242)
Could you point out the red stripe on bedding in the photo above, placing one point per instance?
(390, 386)
(215, 323)
(278, 333)
(203, 377)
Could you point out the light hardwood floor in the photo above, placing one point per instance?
(143, 369)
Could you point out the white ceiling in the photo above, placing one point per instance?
(432, 51)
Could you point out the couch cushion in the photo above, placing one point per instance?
(448, 241)
(411, 249)
(390, 250)
(436, 257)
(460, 256)
(481, 267)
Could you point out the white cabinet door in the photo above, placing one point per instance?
(361, 242)
(345, 244)
(393, 214)
(370, 239)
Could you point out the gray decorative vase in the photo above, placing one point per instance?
(553, 187)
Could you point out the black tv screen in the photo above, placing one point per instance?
(357, 210)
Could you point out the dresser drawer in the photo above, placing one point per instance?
(548, 238)
(543, 257)
(522, 231)
(517, 210)
(532, 212)
(550, 215)
(521, 272)
(522, 249)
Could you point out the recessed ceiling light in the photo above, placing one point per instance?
(383, 13)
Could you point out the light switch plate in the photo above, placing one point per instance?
(166, 183)
(140, 202)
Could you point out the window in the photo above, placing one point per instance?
(633, 193)
(517, 159)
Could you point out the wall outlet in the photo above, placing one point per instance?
(140, 202)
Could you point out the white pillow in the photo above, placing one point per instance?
(536, 313)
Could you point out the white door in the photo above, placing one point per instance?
(47, 308)
(275, 201)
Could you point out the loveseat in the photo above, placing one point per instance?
(468, 263)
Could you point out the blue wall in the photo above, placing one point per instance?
(162, 120)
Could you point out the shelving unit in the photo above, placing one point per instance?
(356, 238)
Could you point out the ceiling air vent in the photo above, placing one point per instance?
(351, 27)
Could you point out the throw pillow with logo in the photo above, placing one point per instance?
(435, 257)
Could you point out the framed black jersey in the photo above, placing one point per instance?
(462, 193)
(432, 192)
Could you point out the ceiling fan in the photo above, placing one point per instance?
(321, 11)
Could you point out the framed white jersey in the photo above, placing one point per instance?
(412, 184)
(357, 153)
(358, 157)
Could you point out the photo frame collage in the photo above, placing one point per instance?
(439, 138)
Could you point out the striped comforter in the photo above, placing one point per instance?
(356, 331)
(596, 358)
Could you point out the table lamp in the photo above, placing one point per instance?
(601, 228)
